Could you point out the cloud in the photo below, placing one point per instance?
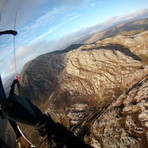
(49, 20)
(67, 3)
(29, 9)
(43, 19)
(29, 32)
(142, 13)
(56, 27)
(24, 51)
(139, 14)
(26, 8)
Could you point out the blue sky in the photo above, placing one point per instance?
(47, 25)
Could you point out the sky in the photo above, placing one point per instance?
(48, 25)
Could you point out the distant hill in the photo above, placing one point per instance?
(69, 48)
(130, 28)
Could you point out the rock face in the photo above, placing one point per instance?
(98, 90)
(125, 122)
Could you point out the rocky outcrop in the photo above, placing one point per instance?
(99, 90)
(125, 122)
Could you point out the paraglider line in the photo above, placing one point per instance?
(14, 44)
(14, 56)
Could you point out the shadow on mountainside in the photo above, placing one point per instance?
(69, 48)
(117, 47)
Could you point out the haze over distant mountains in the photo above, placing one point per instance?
(133, 27)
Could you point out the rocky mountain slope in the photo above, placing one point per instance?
(126, 28)
(99, 90)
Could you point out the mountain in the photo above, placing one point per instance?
(129, 28)
(69, 48)
(98, 90)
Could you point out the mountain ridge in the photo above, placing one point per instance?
(84, 87)
(137, 26)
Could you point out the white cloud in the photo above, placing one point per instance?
(139, 14)
(30, 31)
(142, 13)
(29, 9)
(56, 27)
(43, 20)
(68, 4)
